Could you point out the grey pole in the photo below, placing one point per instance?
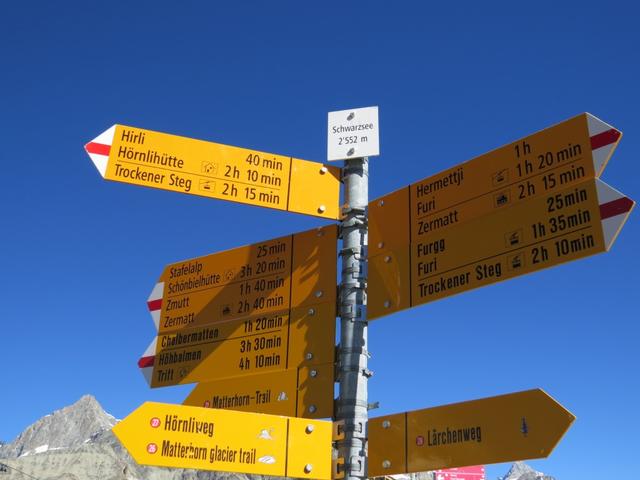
(352, 403)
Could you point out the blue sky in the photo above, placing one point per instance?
(452, 81)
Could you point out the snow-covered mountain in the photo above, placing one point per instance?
(66, 428)
(76, 443)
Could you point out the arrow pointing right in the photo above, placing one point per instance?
(541, 232)
(517, 426)
(540, 164)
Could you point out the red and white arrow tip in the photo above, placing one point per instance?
(147, 361)
(154, 303)
(99, 148)
(615, 208)
(604, 140)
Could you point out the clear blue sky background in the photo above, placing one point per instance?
(452, 80)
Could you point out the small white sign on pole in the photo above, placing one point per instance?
(353, 133)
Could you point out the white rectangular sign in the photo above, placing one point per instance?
(353, 133)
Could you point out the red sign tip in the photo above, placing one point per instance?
(145, 362)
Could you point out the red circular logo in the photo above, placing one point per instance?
(207, 403)
(155, 422)
(419, 440)
(152, 448)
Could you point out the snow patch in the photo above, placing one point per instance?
(40, 449)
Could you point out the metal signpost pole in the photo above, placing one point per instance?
(352, 403)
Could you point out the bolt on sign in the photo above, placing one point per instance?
(225, 440)
(196, 167)
(264, 307)
(306, 392)
(542, 232)
(516, 426)
(410, 228)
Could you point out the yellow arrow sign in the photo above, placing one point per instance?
(277, 342)
(506, 428)
(268, 277)
(547, 161)
(170, 162)
(307, 392)
(224, 440)
(542, 232)
(254, 309)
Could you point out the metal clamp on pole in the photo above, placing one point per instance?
(350, 287)
(373, 405)
(346, 311)
(338, 468)
(338, 430)
(357, 351)
(357, 269)
(356, 426)
(356, 467)
(358, 251)
(352, 222)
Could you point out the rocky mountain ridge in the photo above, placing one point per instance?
(522, 471)
(76, 443)
(66, 428)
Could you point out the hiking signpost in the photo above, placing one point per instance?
(254, 327)
(260, 308)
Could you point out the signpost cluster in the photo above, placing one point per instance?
(245, 312)
(254, 327)
(529, 205)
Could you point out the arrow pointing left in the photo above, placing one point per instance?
(225, 440)
(170, 162)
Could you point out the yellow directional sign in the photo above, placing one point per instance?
(170, 162)
(506, 428)
(547, 161)
(224, 440)
(307, 392)
(262, 308)
(268, 343)
(544, 231)
(294, 271)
